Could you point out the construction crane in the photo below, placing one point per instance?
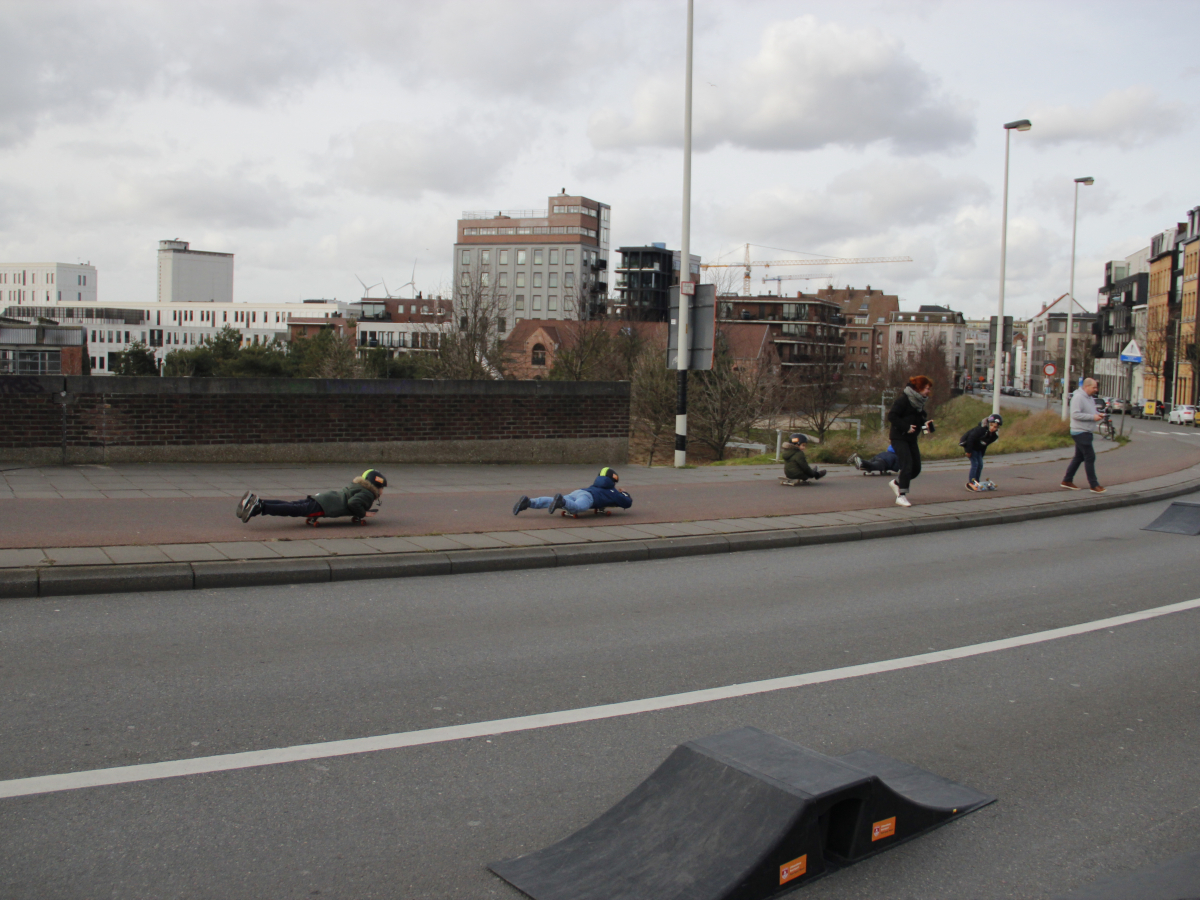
(779, 279)
(825, 261)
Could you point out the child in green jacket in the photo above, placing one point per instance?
(356, 499)
(795, 465)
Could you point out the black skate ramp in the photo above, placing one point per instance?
(1181, 517)
(738, 816)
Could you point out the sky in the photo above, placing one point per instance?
(328, 142)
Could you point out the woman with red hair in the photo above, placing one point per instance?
(908, 420)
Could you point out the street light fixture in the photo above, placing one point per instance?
(998, 365)
(1071, 299)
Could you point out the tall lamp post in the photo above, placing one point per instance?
(1071, 299)
(997, 375)
(684, 340)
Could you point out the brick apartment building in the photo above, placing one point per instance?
(806, 330)
(547, 263)
(866, 313)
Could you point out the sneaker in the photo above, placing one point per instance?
(559, 503)
(1070, 486)
(1097, 489)
(973, 486)
(247, 505)
(521, 504)
(255, 509)
(819, 474)
(855, 460)
(895, 488)
(902, 500)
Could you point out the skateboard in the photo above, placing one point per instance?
(787, 482)
(315, 521)
(596, 512)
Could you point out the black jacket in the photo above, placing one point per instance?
(903, 416)
(977, 439)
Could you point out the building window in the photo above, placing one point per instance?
(466, 279)
(537, 257)
(537, 279)
(503, 279)
(466, 257)
(569, 279)
(899, 337)
(537, 302)
(520, 257)
(538, 357)
(552, 302)
(520, 301)
(485, 257)
(521, 278)
(484, 279)
(553, 279)
(569, 257)
(504, 257)
(554, 257)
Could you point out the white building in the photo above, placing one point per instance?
(193, 276)
(25, 283)
(908, 332)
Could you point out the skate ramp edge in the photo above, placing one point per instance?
(1181, 517)
(738, 816)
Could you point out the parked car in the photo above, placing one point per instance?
(1182, 414)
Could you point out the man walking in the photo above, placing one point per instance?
(1083, 428)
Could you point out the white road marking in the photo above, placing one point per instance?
(67, 781)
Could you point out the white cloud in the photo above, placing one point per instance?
(228, 199)
(810, 85)
(406, 160)
(1122, 118)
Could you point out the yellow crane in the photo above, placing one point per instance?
(747, 263)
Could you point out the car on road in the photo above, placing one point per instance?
(1182, 414)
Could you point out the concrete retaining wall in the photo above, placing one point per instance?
(66, 420)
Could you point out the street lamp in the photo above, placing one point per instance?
(997, 376)
(1071, 296)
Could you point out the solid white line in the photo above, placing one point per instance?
(44, 784)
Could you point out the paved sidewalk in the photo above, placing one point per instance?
(860, 501)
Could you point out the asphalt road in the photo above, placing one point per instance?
(1088, 741)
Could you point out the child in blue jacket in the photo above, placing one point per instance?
(601, 494)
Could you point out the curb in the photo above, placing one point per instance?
(72, 580)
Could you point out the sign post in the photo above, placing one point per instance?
(1131, 356)
(1049, 370)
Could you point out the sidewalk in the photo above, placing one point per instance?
(755, 512)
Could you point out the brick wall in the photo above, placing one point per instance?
(108, 419)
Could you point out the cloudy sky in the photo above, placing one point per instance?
(326, 141)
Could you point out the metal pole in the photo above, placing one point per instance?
(1070, 306)
(685, 262)
(1003, 256)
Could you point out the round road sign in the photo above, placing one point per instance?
(1050, 369)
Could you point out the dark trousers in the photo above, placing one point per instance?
(910, 463)
(306, 507)
(976, 466)
(1086, 454)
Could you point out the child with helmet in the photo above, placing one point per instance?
(356, 500)
(602, 493)
(975, 443)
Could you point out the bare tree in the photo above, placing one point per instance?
(731, 398)
(653, 389)
(1154, 356)
(472, 349)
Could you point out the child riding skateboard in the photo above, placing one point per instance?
(602, 494)
(796, 469)
(354, 500)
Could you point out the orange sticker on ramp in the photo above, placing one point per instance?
(884, 828)
(793, 869)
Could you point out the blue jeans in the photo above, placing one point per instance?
(1086, 454)
(976, 466)
(577, 501)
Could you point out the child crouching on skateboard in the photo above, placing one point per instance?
(975, 443)
(356, 500)
(601, 494)
(796, 469)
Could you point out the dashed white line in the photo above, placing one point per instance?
(68, 781)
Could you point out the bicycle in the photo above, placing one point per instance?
(1108, 431)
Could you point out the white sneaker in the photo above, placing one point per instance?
(895, 487)
(902, 500)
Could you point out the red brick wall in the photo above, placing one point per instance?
(148, 412)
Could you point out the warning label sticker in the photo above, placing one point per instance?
(793, 869)
(884, 828)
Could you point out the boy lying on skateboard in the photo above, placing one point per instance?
(603, 493)
(354, 500)
(796, 469)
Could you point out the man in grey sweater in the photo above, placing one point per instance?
(1083, 428)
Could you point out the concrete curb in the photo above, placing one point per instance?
(73, 580)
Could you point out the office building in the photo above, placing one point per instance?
(193, 276)
(645, 276)
(32, 283)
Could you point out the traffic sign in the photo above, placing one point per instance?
(1132, 353)
(1050, 370)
